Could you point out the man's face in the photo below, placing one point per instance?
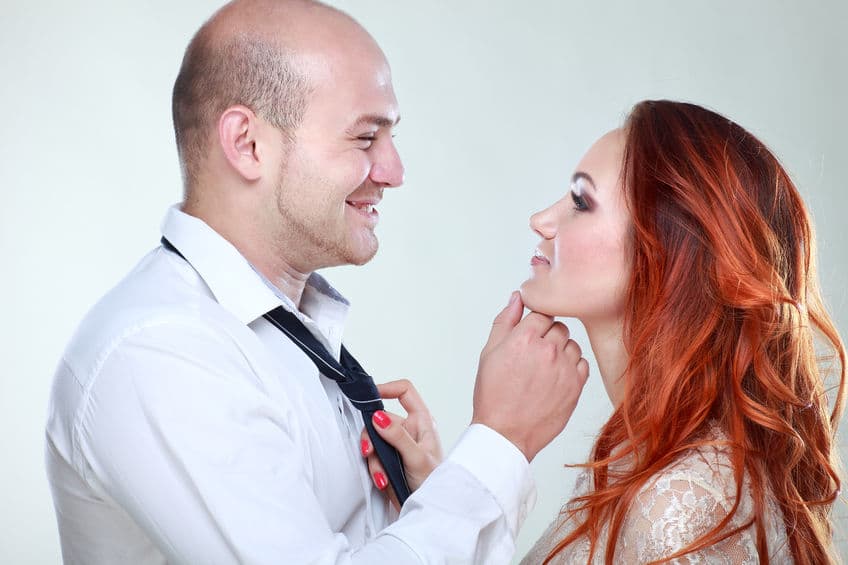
(342, 158)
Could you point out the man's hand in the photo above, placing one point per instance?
(415, 437)
(529, 378)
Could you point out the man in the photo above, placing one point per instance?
(185, 428)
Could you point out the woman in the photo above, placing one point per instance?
(686, 252)
(688, 255)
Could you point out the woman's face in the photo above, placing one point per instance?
(582, 265)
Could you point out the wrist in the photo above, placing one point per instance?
(519, 440)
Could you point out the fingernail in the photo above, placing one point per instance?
(513, 296)
(363, 445)
(382, 419)
(380, 481)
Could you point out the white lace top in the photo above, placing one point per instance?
(678, 505)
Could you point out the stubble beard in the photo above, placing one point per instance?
(317, 239)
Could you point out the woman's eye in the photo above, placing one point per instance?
(580, 203)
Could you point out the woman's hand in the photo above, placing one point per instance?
(415, 438)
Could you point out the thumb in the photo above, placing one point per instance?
(507, 319)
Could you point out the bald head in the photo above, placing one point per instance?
(253, 53)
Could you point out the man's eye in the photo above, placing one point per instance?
(366, 140)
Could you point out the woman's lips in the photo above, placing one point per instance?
(539, 259)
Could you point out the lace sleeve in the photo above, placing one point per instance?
(675, 510)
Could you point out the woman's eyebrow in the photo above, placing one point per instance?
(585, 176)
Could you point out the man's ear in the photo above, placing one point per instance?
(238, 128)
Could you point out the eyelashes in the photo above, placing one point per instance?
(581, 204)
(366, 141)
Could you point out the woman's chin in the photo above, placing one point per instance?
(539, 300)
(532, 299)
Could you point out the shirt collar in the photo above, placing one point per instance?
(241, 289)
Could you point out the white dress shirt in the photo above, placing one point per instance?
(184, 428)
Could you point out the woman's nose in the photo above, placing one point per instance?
(544, 223)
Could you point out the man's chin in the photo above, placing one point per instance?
(363, 257)
(356, 255)
(363, 250)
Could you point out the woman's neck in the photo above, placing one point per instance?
(606, 339)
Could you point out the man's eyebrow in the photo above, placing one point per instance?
(585, 176)
(378, 120)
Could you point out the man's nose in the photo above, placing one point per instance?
(387, 170)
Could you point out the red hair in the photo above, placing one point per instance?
(722, 323)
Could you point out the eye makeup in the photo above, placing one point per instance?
(579, 185)
(580, 203)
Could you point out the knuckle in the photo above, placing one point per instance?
(549, 351)
(562, 329)
(395, 431)
(583, 370)
(524, 335)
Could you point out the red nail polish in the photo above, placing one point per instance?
(382, 419)
(363, 445)
(380, 481)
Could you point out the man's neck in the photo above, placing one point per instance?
(259, 252)
(287, 279)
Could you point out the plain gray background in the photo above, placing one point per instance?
(499, 101)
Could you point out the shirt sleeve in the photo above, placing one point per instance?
(473, 525)
(675, 511)
(188, 442)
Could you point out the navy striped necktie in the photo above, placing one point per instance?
(354, 382)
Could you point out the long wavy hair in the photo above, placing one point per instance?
(724, 325)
